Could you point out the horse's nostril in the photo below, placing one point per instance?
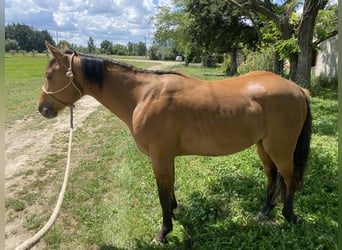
(45, 111)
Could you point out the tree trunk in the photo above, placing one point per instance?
(293, 59)
(278, 64)
(305, 37)
(233, 62)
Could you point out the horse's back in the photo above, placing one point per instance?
(220, 117)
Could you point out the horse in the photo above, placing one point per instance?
(171, 114)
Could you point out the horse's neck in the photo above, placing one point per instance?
(117, 94)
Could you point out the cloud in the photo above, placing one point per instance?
(119, 21)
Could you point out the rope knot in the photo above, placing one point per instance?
(70, 74)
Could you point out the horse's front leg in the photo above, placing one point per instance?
(163, 169)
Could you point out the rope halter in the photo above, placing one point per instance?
(71, 76)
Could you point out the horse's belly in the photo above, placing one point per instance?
(209, 148)
(219, 141)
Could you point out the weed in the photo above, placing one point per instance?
(15, 204)
(32, 222)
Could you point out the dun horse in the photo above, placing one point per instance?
(171, 114)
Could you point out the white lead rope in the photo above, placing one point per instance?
(33, 240)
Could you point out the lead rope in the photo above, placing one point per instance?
(33, 240)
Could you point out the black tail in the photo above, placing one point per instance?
(301, 153)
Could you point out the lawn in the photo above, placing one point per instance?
(112, 203)
(24, 76)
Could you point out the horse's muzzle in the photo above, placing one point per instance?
(47, 110)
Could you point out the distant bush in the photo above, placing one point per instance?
(226, 66)
(259, 60)
(23, 52)
(34, 52)
(327, 82)
(324, 87)
(209, 60)
(158, 52)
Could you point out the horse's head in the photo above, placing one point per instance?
(60, 89)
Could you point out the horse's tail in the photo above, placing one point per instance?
(301, 153)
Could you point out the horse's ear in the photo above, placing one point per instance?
(54, 51)
(64, 46)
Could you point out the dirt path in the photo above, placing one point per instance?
(21, 142)
(25, 145)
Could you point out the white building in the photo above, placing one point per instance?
(327, 58)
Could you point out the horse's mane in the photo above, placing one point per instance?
(93, 67)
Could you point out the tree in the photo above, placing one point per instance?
(219, 26)
(28, 38)
(141, 49)
(203, 27)
(130, 48)
(91, 46)
(297, 37)
(11, 44)
(326, 24)
(171, 26)
(153, 52)
(119, 49)
(107, 47)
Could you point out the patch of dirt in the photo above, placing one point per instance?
(26, 143)
(23, 146)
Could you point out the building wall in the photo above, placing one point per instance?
(327, 58)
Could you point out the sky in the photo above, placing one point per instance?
(119, 21)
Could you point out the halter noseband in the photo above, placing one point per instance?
(71, 76)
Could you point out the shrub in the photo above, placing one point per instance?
(259, 60)
(327, 82)
(225, 67)
(166, 53)
(324, 87)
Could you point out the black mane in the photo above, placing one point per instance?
(93, 67)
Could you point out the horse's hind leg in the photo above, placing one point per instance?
(271, 173)
(285, 166)
(286, 171)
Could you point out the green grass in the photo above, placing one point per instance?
(200, 72)
(24, 76)
(139, 64)
(112, 202)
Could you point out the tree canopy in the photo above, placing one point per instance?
(24, 37)
(221, 26)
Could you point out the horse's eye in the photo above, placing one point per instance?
(48, 77)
